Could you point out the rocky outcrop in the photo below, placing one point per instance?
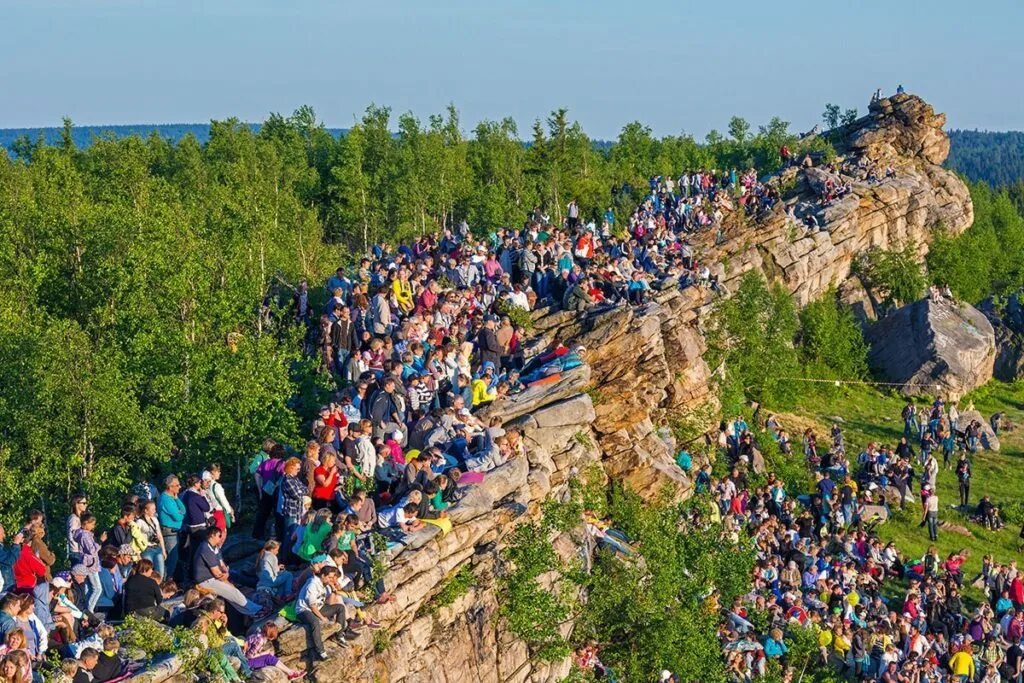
(903, 132)
(989, 439)
(935, 347)
(1007, 318)
(465, 640)
(644, 366)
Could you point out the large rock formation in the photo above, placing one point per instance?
(643, 367)
(646, 365)
(903, 132)
(935, 347)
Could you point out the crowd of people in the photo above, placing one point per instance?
(822, 571)
(418, 339)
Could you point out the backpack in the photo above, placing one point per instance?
(270, 471)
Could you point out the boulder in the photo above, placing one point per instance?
(820, 180)
(854, 294)
(934, 347)
(989, 440)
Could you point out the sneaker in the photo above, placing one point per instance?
(374, 624)
(356, 625)
(321, 655)
(349, 634)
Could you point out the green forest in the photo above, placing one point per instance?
(996, 158)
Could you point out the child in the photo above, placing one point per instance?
(108, 663)
(259, 651)
(273, 580)
(68, 671)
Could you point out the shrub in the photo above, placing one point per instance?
(453, 589)
(532, 612)
(830, 335)
(520, 317)
(895, 273)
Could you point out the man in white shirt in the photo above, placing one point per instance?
(314, 606)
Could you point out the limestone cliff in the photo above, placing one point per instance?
(643, 365)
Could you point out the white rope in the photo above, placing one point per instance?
(840, 382)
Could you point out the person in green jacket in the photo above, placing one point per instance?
(314, 534)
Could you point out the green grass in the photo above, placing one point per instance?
(869, 414)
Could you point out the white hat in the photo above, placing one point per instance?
(665, 675)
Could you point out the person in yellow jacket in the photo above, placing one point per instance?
(482, 392)
(402, 290)
(961, 665)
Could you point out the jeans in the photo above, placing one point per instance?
(171, 563)
(193, 539)
(331, 612)
(232, 649)
(41, 594)
(93, 591)
(231, 594)
(965, 492)
(341, 358)
(286, 527)
(156, 556)
(933, 525)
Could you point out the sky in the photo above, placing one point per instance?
(676, 65)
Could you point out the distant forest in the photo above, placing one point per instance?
(996, 158)
(83, 136)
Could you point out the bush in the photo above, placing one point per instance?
(895, 273)
(831, 335)
(146, 637)
(751, 337)
(453, 589)
(532, 612)
(647, 610)
(520, 317)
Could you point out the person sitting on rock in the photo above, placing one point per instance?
(402, 518)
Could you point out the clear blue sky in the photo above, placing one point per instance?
(675, 65)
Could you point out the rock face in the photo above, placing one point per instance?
(902, 131)
(935, 347)
(989, 440)
(901, 126)
(646, 364)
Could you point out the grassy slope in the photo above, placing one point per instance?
(872, 415)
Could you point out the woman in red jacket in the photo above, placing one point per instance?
(29, 570)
